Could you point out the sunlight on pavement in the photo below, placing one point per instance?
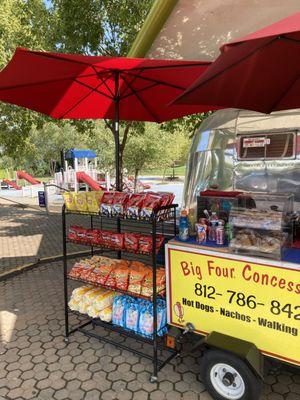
(7, 325)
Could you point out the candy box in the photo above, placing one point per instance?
(81, 202)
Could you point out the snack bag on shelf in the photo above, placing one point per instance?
(104, 272)
(106, 314)
(73, 232)
(111, 279)
(150, 204)
(81, 203)
(161, 317)
(119, 203)
(166, 200)
(93, 200)
(76, 270)
(159, 242)
(69, 200)
(78, 293)
(101, 301)
(117, 240)
(132, 316)
(146, 320)
(122, 277)
(106, 203)
(73, 304)
(118, 310)
(161, 281)
(145, 244)
(106, 238)
(147, 285)
(134, 205)
(131, 241)
(136, 277)
(86, 270)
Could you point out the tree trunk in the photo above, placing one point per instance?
(136, 174)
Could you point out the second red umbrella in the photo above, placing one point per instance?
(259, 72)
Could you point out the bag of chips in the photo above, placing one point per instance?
(145, 244)
(150, 203)
(116, 240)
(118, 310)
(106, 203)
(134, 205)
(131, 241)
(136, 277)
(101, 301)
(106, 314)
(81, 202)
(69, 200)
(92, 200)
(122, 277)
(119, 203)
(132, 316)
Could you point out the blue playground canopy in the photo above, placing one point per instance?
(75, 153)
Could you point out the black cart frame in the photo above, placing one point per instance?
(163, 221)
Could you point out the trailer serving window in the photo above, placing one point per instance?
(267, 146)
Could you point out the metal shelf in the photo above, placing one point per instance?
(157, 220)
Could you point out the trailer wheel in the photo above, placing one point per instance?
(227, 377)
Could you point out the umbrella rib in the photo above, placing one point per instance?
(45, 82)
(84, 97)
(155, 81)
(141, 100)
(202, 63)
(59, 57)
(95, 89)
(140, 90)
(283, 95)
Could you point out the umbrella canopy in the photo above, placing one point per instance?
(259, 72)
(88, 87)
(91, 87)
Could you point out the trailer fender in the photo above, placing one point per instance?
(241, 348)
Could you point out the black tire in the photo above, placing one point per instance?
(211, 358)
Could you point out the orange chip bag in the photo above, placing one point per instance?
(122, 277)
(136, 277)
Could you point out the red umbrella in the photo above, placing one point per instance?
(258, 72)
(82, 87)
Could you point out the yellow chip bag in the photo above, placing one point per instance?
(80, 201)
(69, 200)
(92, 202)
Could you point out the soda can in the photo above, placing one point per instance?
(201, 233)
(220, 235)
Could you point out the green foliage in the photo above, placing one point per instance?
(189, 124)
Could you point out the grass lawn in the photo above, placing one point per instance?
(179, 171)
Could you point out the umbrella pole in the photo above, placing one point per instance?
(117, 133)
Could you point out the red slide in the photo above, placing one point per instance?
(27, 177)
(12, 184)
(85, 178)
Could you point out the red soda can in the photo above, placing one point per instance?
(220, 235)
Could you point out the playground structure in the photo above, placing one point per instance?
(80, 172)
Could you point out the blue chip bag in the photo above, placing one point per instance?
(132, 316)
(118, 310)
(146, 320)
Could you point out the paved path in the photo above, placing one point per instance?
(27, 235)
(35, 363)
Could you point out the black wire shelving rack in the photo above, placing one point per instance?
(162, 221)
